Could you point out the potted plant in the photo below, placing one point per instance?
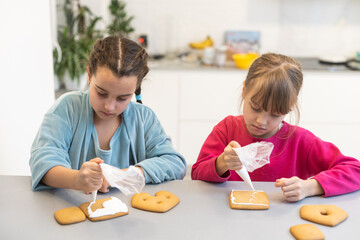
(76, 40)
(120, 23)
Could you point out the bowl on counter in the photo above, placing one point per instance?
(244, 60)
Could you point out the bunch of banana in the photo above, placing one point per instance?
(208, 42)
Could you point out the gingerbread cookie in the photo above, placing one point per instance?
(163, 201)
(306, 232)
(329, 215)
(103, 209)
(248, 200)
(69, 215)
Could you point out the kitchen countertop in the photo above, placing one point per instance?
(307, 64)
(203, 213)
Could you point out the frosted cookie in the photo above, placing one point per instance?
(103, 209)
(306, 232)
(248, 200)
(163, 201)
(69, 215)
(329, 215)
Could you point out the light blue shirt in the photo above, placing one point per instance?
(67, 137)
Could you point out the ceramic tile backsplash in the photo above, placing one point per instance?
(293, 27)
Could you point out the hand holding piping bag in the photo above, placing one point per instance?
(94, 193)
(228, 160)
(253, 156)
(89, 177)
(104, 183)
(243, 172)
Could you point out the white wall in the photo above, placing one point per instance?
(27, 84)
(293, 27)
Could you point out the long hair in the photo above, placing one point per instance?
(275, 81)
(123, 57)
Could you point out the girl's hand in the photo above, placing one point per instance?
(228, 160)
(295, 189)
(90, 177)
(105, 186)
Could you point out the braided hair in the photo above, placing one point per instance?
(123, 57)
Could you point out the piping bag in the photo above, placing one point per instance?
(253, 156)
(128, 182)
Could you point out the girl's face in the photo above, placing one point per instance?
(110, 95)
(259, 123)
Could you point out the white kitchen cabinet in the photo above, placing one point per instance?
(206, 97)
(160, 91)
(210, 95)
(189, 103)
(330, 108)
(331, 97)
(27, 80)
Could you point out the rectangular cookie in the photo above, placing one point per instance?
(248, 200)
(69, 215)
(101, 206)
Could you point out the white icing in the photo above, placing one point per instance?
(249, 203)
(252, 196)
(110, 207)
(94, 193)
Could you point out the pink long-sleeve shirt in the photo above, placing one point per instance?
(297, 152)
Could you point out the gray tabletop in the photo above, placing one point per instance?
(203, 213)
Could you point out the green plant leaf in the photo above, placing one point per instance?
(76, 46)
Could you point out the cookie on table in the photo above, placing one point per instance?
(329, 215)
(163, 201)
(69, 215)
(306, 232)
(101, 205)
(249, 200)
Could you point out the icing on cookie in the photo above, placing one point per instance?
(251, 199)
(112, 206)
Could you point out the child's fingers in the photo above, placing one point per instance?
(289, 189)
(282, 182)
(293, 195)
(234, 144)
(105, 186)
(104, 189)
(233, 162)
(93, 166)
(229, 150)
(294, 198)
(97, 160)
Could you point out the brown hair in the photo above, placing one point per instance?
(276, 81)
(122, 56)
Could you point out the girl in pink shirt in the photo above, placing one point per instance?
(301, 164)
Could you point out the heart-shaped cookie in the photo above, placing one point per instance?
(163, 201)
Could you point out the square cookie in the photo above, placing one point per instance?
(69, 215)
(307, 232)
(101, 206)
(248, 200)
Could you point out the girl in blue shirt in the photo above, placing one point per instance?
(83, 129)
